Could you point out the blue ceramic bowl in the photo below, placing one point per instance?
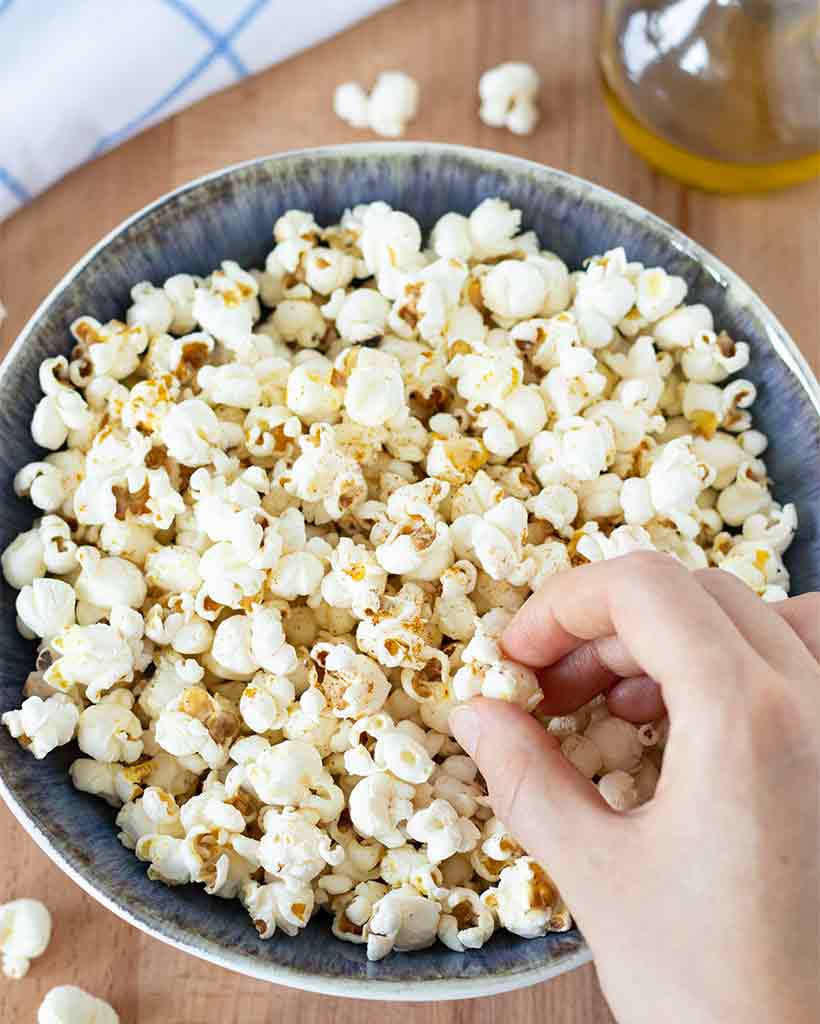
(230, 215)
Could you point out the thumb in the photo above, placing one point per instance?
(556, 814)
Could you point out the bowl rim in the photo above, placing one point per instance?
(434, 989)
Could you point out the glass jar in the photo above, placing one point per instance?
(723, 94)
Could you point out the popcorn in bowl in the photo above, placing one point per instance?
(285, 515)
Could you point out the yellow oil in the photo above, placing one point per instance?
(725, 97)
(702, 172)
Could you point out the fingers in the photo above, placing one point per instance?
(666, 621)
(583, 673)
(637, 700)
(574, 680)
(803, 616)
(553, 811)
(766, 631)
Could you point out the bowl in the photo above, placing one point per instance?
(230, 214)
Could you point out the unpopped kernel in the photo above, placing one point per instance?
(286, 514)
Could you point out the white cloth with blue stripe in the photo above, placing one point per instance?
(80, 76)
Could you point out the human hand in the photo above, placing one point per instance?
(703, 905)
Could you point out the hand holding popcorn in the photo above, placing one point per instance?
(726, 665)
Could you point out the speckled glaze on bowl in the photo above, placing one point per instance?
(230, 215)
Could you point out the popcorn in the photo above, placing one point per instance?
(106, 582)
(396, 634)
(577, 449)
(456, 460)
(670, 488)
(355, 581)
(51, 484)
(322, 473)
(443, 832)
(455, 612)
(296, 233)
(293, 849)
(402, 920)
(25, 931)
(747, 496)
(300, 321)
(45, 607)
(354, 910)
(114, 783)
(291, 774)
(181, 291)
(375, 390)
(525, 899)
(680, 328)
(582, 752)
(109, 730)
(509, 97)
(617, 742)
(152, 309)
(392, 103)
(98, 656)
(273, 556)
(312, 393)
(378, 805)
(390, 242)
(154, 813)
(61, 410)
(594, 545)
(604, 294)
(619, 790)
(495, 540)
(265, 702)
(198, 725)
(398, 752)
(513, 290)
(405, 865)
(67, 1004)
(190, 432)
(226, 306)
(415, 549)
(350, 104)
(486, 672)
(658, 293)
(173, 674)
(276, 905)
(492, 226)
(465, 921)
(353, 685)
(711, 358)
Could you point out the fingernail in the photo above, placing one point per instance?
(465, 725)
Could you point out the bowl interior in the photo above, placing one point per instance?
(230, 215)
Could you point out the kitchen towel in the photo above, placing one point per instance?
(78, 77)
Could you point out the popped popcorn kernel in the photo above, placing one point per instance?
(509, 97)
(287, 512)
(386, 111)
(25, 931)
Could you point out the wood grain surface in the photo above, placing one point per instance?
(772, 240)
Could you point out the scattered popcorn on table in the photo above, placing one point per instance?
(25, 931)
(390, 106)
(67, 1004)
(509, 97)
(286, 515)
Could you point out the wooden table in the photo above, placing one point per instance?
(771, 240)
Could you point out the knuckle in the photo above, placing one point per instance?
(717, 580)
(654, 565)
